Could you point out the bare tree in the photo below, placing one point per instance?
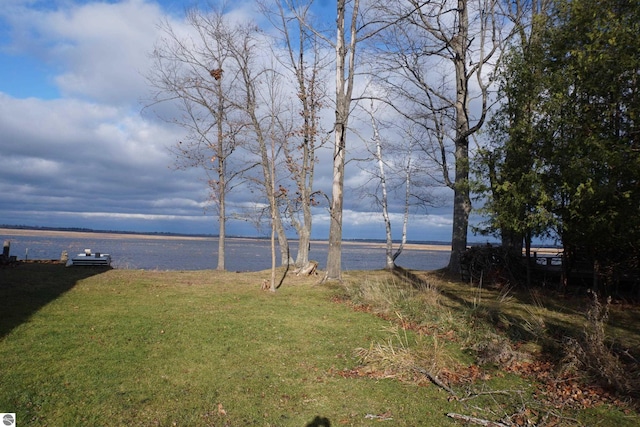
(345, 48)
(301, 56)
(383, 199)
(348, 24)
(189, 71)
(354, 25)
(259, 97)
(438, 63)
(221, 75)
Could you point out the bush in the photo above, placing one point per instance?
(493, 265)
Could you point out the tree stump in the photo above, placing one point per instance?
(309, 269)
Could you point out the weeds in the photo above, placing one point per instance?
(393, 355)
(594, 355)
(533, 321)
(384, 295)
(506, 331)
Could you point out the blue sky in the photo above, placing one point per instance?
(76, 150)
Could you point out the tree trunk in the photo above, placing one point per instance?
(268, 169)
(407, 199)
(334, 256)
(221, 235)
(304, 246)
(272, 286)
(283, 241)
(345, 68)
(390, 258)
(461, 190)
(222, 183)
(461, 207)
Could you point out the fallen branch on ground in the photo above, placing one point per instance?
(477, 421)
(434, 379)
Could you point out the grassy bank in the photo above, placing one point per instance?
(89, 347)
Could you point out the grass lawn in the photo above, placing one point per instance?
(93, 347)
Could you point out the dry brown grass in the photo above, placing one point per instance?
(593, 353)
(439, 322)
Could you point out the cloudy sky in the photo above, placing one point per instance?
(77, 149)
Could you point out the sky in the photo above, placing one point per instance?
(78, 148)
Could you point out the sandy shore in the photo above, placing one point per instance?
(437, 247)
(408, 246)
(83, 234)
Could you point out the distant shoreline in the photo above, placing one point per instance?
(113, 235)
(127, 235)
(93, 234)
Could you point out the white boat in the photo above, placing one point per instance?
(89, 258)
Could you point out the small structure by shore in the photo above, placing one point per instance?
(90, 259)
(6, 258)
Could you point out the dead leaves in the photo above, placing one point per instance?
(214, 417)
(562, 391)
(221, 410)
(552, 391)
(570, 393)
(217, 73)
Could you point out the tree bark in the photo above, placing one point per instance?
(461, 190)
(345, 65)
(334, 256)
(222, 183)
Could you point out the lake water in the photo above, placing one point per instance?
(174, 253)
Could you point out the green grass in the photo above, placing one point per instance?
(167, 348)
(92, 347)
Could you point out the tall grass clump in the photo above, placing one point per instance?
(389, 356)
(593, 354)
(413, 349)
(383, 295)
(533, 321)
(407, 356)
(416, 300)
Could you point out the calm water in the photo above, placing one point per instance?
(201, 254)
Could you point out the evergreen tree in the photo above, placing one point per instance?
(567, 155)
(591, 146)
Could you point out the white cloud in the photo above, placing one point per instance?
(103, 48)
(95, 50)
(89, 158)
(177, 202)
(125, 216)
